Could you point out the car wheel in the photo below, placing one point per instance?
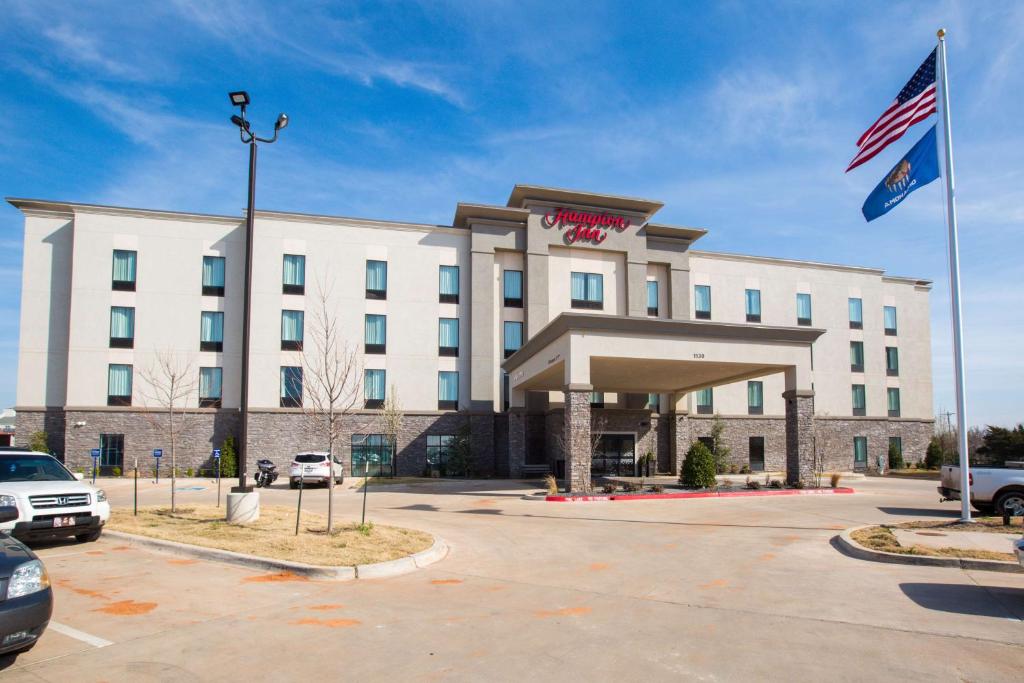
(1010, 501)
(89, 537)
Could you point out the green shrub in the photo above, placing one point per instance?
(460, 458)
(116, 471)
(698, 467)
(228, 458)
(895, 458)
(745, 469)
(37, 442)
(189, 472)
(933, 456)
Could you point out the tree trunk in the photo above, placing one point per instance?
(174, 462)
(330, 481)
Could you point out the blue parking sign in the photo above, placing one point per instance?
(216, 453)
(95, 452)
(158, 453)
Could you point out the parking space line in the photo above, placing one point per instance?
(95, 641)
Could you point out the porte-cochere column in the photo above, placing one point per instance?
(577, 438)
(799, 435)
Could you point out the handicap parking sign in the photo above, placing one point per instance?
(95, 452)
(216, 453)
(158, 453)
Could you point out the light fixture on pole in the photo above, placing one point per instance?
(241, 99)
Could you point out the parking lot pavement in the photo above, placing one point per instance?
(714, 588)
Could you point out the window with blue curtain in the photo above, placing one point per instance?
(119, 385)
(291, 330)
(860, 452)
(702, 301)
(122, 327)
(597, 399)
(857, 356)
(448, 287)
(705, 401)
(291, 386)
(293, 278)
(211, 331)
(856, 314)
(753, 297)
(803, 309)
(213, 275)
(893, 395)
(210, 380)
(892, 361)
(373, 388)
(755, 398)
(448, 336)
(513, 337)
(652, 297)
(376, 279)
(447, 390)
(375, 333)
(512, 288)
(859, 400)
(123, 278)
(889, 313)
(654, 402)
(587, 290)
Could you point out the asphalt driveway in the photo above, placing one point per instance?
(728, 589)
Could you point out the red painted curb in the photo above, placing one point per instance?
(696, 494)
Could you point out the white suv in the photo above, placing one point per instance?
(313, 469)
(52, 502)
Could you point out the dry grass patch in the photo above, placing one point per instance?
(881, 538)
(358, 482)
(274, 535)
(992, 525)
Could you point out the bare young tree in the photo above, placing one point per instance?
(332, 380)
(598, 425)
(171, 383)
(827, 445)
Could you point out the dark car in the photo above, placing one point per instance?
(26, 599)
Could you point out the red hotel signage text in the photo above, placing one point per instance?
(580, 225)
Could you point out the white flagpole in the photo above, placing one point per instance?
(954, 290)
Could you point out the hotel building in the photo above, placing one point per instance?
(565, 331)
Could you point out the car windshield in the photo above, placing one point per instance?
(32, 468)
(309, 457)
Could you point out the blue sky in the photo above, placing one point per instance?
(739, 116)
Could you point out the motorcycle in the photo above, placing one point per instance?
(266, 473)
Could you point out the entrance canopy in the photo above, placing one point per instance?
(641, 355)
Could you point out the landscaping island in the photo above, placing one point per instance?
(884, 538)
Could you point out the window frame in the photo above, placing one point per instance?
(293, 344)
(376, 294)
(291, 401)
(122, 342)
(374, 348)
(216, 346)
(699, 314)
(890, 331)
(448, 351)
(654, 310)
(291, 288)
(806, 322)
(855, 324)
(448, 404)
(889, 393)
(755, 409)
(588, 304)
(124, 285)
(511, 302)
(894, 370)
(372, 403)
(863, 409)
(215, 290)
(121, 399)
(709, 408)
(448, 298)
(855, 367)
(504, 337)
(211, 401)
(860, 465)
(751, 317)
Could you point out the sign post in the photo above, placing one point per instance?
(158, 453)
(216, 456)
(135, 505)
(95, 453)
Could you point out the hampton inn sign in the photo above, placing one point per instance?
(580, 225)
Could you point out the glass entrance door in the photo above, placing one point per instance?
(615, 456)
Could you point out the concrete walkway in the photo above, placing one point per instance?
(964, 540)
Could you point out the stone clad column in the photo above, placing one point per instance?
(577, 438)
(799, 435)
(516, 433)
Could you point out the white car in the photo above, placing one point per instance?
(312, 467)
(51, 501)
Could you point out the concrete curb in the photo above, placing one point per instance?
(403, 565)
(850, 547)
(569, 498)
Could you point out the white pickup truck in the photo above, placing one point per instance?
(992, 488)
(51, 501)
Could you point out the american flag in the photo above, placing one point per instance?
(916, 102)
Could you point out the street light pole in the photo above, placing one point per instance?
(241, 99)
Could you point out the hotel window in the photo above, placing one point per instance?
(119, 385)
(856, 314)
(803, 309)
(860, 452)
(892, 361)
(122, 327)
(210, 380)
(291, 387)
(376, 279)
(654, 402)
(889, 313)
(587, 290)
(859, 400)
(447, 390)
(705, 401)
(512, 288)
(293, 278)
(856, 356)
(753, 305)
(896, 443)
(448, 285)
(291, 330)
(652, 297)
(375, 333)
(373, 389)
(448, 337)
(439, 448)
(597, 399)
(213, 276)
(702, 302)
(893, 396)
(755, 398)
(513, 337)
(211, 331)
(373, 455)
(123, 278)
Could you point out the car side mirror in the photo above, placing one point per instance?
(8, 513)
(79, 476)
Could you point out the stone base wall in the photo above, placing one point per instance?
(835, 439)
(736, 436)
